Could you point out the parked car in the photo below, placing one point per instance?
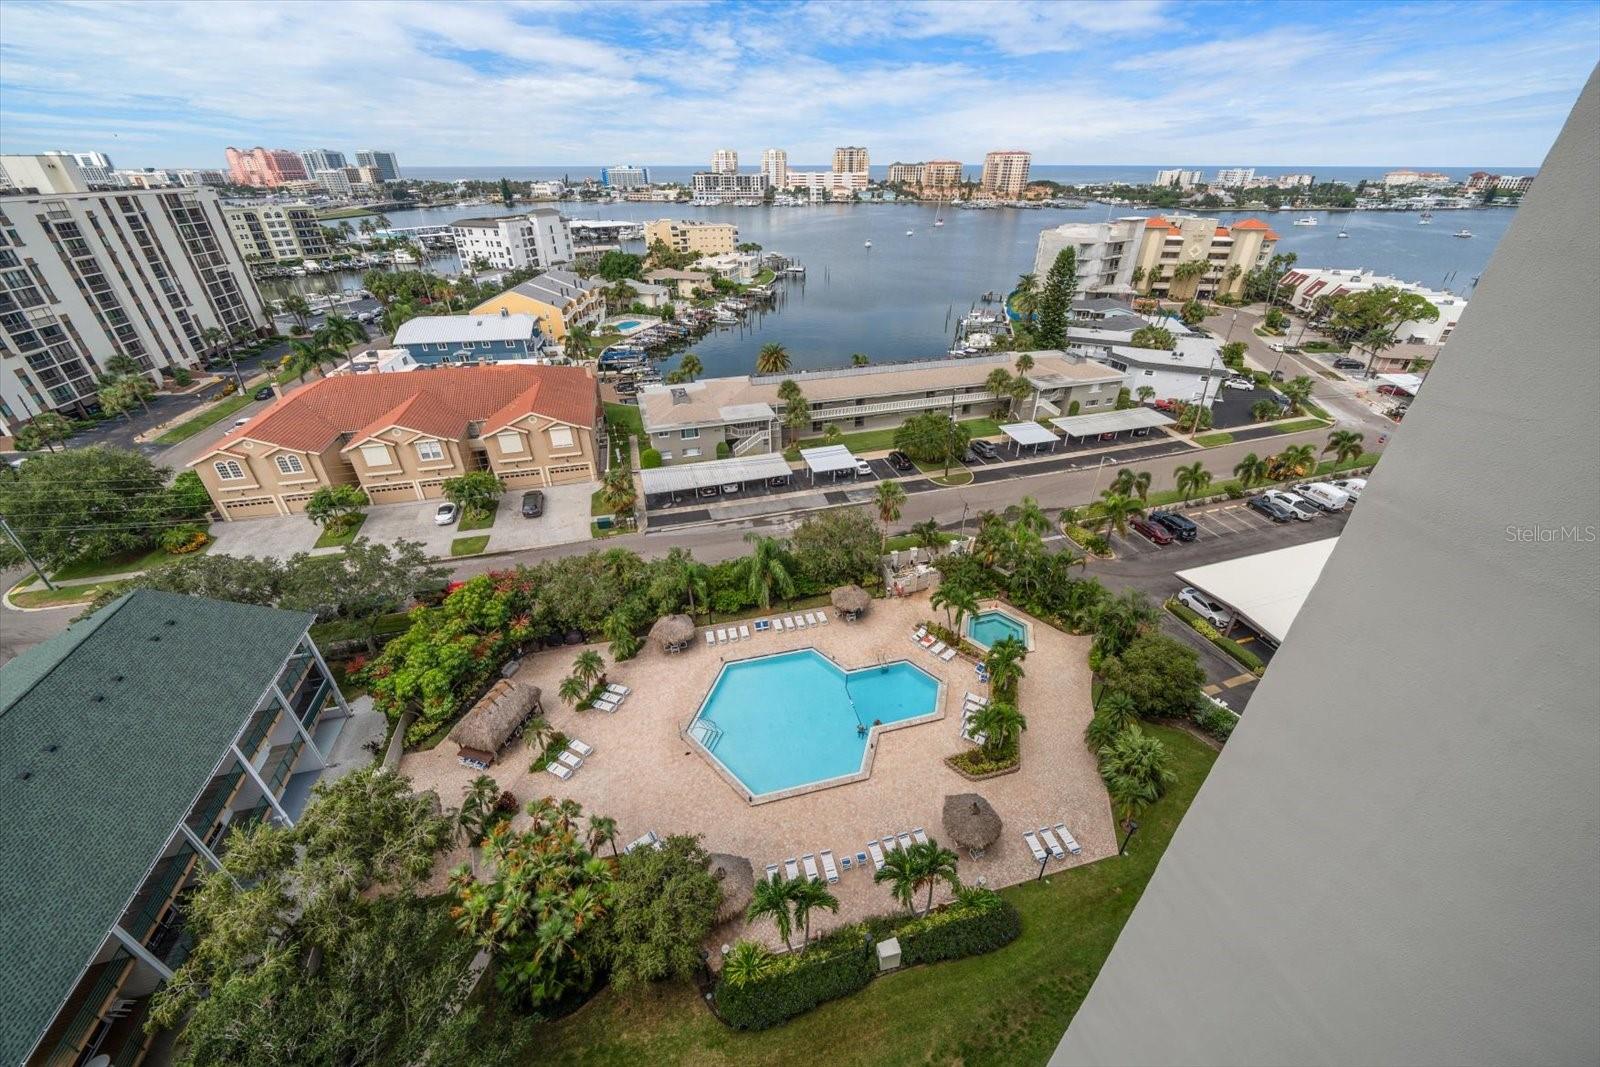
(707, 491)
(1348, 363)
(1324, 496)
(264, 393)
(1152, 531)
(901, 462)
(532, 504)
(445, 514)
(985, 449)
(1270, 508)
(1276, 346)
(731, 489)
(1177, 525)
(1298, 506)
(1239, 382)
(969, 456)
(1167, 404)
(779, 481)
(1352, 487)
(1393, 390)
(863, 469)
(1277, 375)
(1203, 606)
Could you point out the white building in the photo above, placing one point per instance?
(1192, 371)
(541, 238)
(335, 183)
(1513, 183)
(625, 176)
(725, 161)
(283, 232)
(48, 173)
(1177, 179)
(195, 178)
(547, 190)
(1106, 253)
(97, 168)
(1303, 286)
(1235, 177)
(819, 185)
(318, 159)
(775, 168)
(1294, 181)
(387, 166)
(713, 185)
(1397, 179)
(741, 267)
(96, 264)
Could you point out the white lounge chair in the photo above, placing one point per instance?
(791, 870)
(711, 639)
(744, 632)
(811, 618)
(920, 836)
(649, 839)
(809, 862)
(822, 617)
(722, 636)
(582, 749)
(877, 855)
(788, 622)
(919, 633)
(948, 654)
(620, 690)
(800, 622)
(1051, 843)
(828, 867)
(938, 647)
(1067, 839)
(606, 704)
(772, 869)
(571, 759)
(559, 771)
(974, 698)
(1039, 854)
(904, 840)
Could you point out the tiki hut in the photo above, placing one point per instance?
(493, 721)
(970, 821)
(738, 881)
(850, 601)
(672, 633)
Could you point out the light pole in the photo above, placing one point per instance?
(1094, 488)
(1132, 826)
(1231, 324)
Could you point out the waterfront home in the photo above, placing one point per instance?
(684, 281)
(648, 293)
(435, 339)
(1304, 286)
(558, 299)
(741, 267)
(684, 235)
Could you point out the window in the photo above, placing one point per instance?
(691, 453)
(510, 441)
(666, 455)
(561, 437)
(229, 470)
(430, 451)
(1149, 373)
(290, 465)
(375, 455)
(689, 434)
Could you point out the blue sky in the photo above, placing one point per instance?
(1139, 81)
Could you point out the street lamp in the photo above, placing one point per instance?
(1095, 487)
(1132, 826)
(1231, 324)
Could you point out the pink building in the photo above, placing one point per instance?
(269, 167)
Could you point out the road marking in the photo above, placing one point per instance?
(1239, 679)
(1210, 690)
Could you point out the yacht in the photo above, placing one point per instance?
(1307, 221)
(1463, 233)
(868, 244)
(910, 233)
(1343, 235)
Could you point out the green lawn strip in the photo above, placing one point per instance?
(882, 440)
(187, 429)
(469, 546)
(345, 212)
(1211, 440)
(1296, 425)
(1243, 656)
(959, 475)
(339, 536)
(901, 542)
(627, 416)
(1163, 497)
(473, 520)
(67, 594)
(138, 559)
(1007, 1007)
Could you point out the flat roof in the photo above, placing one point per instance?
(1409, 382)
(1028, 433)
(1267, 589)
(689, 476)
(1111, 421)
(826, 459)
(452, 329)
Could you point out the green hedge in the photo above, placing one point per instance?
(980, 922)
(1231, 648)
(796, 985)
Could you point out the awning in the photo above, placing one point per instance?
(1267, 589)
(690, 476)
(1111, 421)
(1028, 433)
(1409, 382)
(828, 459)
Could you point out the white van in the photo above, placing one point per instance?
(1325, 496)
(1352, 486)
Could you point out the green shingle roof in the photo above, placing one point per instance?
(108, 733)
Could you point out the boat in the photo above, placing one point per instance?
(1343, 235)
(1307, 221)
(910, 233)
(1427, 217)
(1462, 233)
(938, 222)
(868, 244)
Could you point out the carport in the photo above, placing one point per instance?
(1100, 424)
(829, 460)
(1028, 435)
(692, 477)
(1406, 383)
(1264, 591)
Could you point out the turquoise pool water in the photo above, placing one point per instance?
(789, 720)
(627, 324)
(987, 627)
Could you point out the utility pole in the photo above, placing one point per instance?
(12, 534)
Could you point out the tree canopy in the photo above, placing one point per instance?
(932, 437)
(666, 903)
(1054, 301)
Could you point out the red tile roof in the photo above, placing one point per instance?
(1251, 224)
(1158, 223)
(438, 401)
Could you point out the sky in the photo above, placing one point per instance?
(1132, 82)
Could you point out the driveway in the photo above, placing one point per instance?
(565, 519)
(278, 538)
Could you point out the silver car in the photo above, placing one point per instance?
(1302, 508)
(1203, 606)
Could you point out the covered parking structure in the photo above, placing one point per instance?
(1406, 383)
(1028, 435)
(1264, 591)
(1106, 425)
(664, 485)
(830, 460)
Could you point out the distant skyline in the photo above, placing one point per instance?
(1141, 82)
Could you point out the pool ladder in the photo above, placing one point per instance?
(707, 735)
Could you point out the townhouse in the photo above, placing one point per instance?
(557, 299)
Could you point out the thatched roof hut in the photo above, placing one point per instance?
(672, 632)
(970, 820)
(495, 719)
(850, 600)
(737, 878)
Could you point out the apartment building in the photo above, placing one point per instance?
(828, 184)
(683, 235)
(713, 185)
(1399, 179)
(273, 232)
(47, 173)
(624, 177)
(401, 436)
(775, 168)
(133, 742)
(1006, 173)
(195, 178)
(1229, 252)
(1513, 183)
(316, 159)
(539, 238)
(98, 170)
(1177, 179)
(685, 423)
(1106, 253)
(1305, 286)
(385, 163)
(557, 299)
(725, 161)
(1191, 371)
(683, 282)
(338, 183)
(88, 276)
(851, 159)
(904, 174)
(1234, 177)
(265, 167)
(941, 174)
(434, 339)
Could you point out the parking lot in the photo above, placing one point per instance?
(1229, 523)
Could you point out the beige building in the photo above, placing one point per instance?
(941, 175)
(1228, 252)
(851, 159)
(1006, 173)
(775, 168)
(682, 235)
(684, 282)
(277, 232)
(400, 436)
(725, 161)
(904, 174)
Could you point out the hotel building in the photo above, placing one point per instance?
(712, 185)
(851, 159)
(1006, 173)
(775, 168)
(725, 161)
(265, 167)
(385, 163)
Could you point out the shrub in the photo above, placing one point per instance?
(181, 540)
(1217, 722)
(797, 983)
(974, 760)
(649, 459)
(979, 921)
(724, 450)
(1072, 408)
(181, 376)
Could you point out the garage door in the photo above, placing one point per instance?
(297, 502)
(433, 489)
(391, 494)
(250, 509)
(568, 475)
(522, 480)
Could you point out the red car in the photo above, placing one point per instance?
(1164, 404)
(1393, 390)
(1153, 531)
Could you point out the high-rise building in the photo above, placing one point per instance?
(1234, 177)
(540, 238)
(387, 165)
(97, 168)
(1393, 861)
(50, 172)
(904, 174)
(683, 235)
(137, 273)
(268, 232)
(265, 168)
(625, 176)
(775, 168)
(1106, 253)
(714, 185)
(941, 174)
(725, 161)
(851, 159)
(201, 177)
(1177, 179)
(317, 159)
(335, 182)
(1005, 173)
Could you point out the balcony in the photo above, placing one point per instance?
(885, 407)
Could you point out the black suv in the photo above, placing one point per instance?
(1346, 363)
(901, 462)
(1177, 525)
(532, 504)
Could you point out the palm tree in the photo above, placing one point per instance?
(477, 808)
(589, 666)
(773, 358)
(397, 315)
(772, 900)
(1135, 768)
(573, 689)
(1233, 275)
(1194, 269)
(1114, 714)
(1026, 298)
(537, 732)
(1000, 723)
(1345, 445)
(304, 356)
(690, 365)
(806, 894)
(1145, 392)
(859, 359)
(748, 962)
(1262, 410)
(1250, 470)
(890, 497)
(340, 332)
(1004, 663)
(602, 831)
(575, 346)
(1023, 363)
(296, 305)
(900, 871)
(1292, 461)
(999, 383)
(1297, 390)
(927, 534)
(1192, 479)
(766, 571)
(1030, 516)
(1113, 510)
(954, 597)
(1138, 277)
(935, 864)
(1132, 483)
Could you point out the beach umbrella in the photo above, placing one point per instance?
(970, 820)
(672, 631)
(737, 878)
(850, 599)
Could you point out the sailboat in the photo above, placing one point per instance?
(1342, 234)
(1427, 217)
(938, 214)
(869, 244)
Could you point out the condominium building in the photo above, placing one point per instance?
(683, 235)
(1106, 253)
(370, 175)
(558, 299)
(1177, 179)
(775, 168)
(851, 159)
(195, 178)
(133, 742)
(1006, 173)
(88, 276)
(337, 183)
(712, 185)
(1399, 179)
(539, 238)
(1234, 177)
(725, 161)
(431, 340)
(317, 159)
(46, 173)
(1293, 181)
(265, 167)
(402, 436)
(626, 176)
(1228, 252)
(285, 232)
(388, 166)
(904, 174)
(98, 170)
(827, 184)
(1191, 371)
(1513, 183)
(147, 178)
(1305, 286)
(941, 174)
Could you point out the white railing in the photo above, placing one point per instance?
(916, 403)
(751, 443)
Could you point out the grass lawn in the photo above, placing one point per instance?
(123, 563)
(1211, 440)
(627, 416)
(185, 430)
(959, 475)
(469, 546)
(901, 542)
(1006, 1007)
(339, 536)
(883, 440)
(67, 594)
(1297, 425)
(473, 520)
(1162, 497)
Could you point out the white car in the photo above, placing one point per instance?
(1303, 509)
(446, 514)
(1240, 383)
(1276, 346)
(1352, 486)
(1205, 607)
(863, 468)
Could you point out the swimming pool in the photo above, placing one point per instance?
(797, 719)
(627, 324)
(987, 627)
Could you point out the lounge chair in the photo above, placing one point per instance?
(811, 618)
(1067, 839)
(920, 835)
(809, 862)
(772, 869)
(620, 690)
(948, 654)
(822, 617)
(877, 855)
(571, 759)
(559, 771)
(762, 626)
(1051, 843)
(927, 640)
(974, 698)
(744, 632)
(919, 633)
(788, 622)
(607, 704)
(1039, 854)
(937, 648)
(845, 863)
(582, 749)
(828, 867)
(711, 639)
(650, 839)
(800, 622)
(861, 860)
(722, 636)
(905, 840)
(791, 870)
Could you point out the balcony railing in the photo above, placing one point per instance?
(916, 403)
(91, 1007)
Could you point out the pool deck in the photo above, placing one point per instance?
(647, 777)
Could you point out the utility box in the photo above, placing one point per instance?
(889, 954)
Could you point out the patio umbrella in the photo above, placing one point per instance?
(850, 599)
(672, 631)
(970, 821)
(738, 881)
